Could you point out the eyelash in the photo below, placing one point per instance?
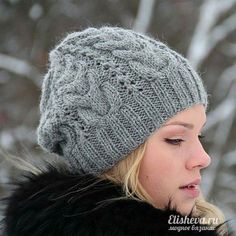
(179, 141)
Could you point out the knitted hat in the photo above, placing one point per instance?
(106, 91)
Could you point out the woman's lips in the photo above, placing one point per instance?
(191, 189)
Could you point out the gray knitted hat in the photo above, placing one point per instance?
(107, 90)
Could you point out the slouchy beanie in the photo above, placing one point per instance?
(106, 91)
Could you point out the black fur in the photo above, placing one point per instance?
(58, 203)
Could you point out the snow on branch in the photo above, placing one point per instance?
(20, 67)
(220, 113)
(222, 31)
(225, 81)
(144, 15)
(205, 36)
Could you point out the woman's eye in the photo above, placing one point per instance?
(201, 136)
(174, 141)
(179, 141)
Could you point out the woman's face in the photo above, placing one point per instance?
(173, 160)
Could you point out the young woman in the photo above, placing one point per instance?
(126, 112)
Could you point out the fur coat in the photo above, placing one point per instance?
(59, 203)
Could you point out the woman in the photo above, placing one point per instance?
(126, 113)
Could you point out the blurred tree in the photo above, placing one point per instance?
(202, 30)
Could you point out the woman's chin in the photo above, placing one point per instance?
(187, 209)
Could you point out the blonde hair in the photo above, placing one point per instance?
(126, 172)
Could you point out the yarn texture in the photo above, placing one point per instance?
(106, 91)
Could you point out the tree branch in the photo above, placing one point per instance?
(21, 68)
(144, 15)
(201, 43)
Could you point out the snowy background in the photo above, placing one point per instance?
(202, 30)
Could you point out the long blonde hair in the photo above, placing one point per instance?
(126, 172)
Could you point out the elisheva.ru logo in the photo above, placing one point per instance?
(185, 223)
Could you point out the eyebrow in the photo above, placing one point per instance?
(186, 125)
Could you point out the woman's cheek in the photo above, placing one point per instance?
(176, 151)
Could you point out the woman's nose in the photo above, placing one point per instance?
(198, 158)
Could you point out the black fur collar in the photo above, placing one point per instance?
(58, 203)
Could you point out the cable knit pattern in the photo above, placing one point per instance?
(106, 91)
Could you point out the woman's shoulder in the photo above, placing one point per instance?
(58, 202)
